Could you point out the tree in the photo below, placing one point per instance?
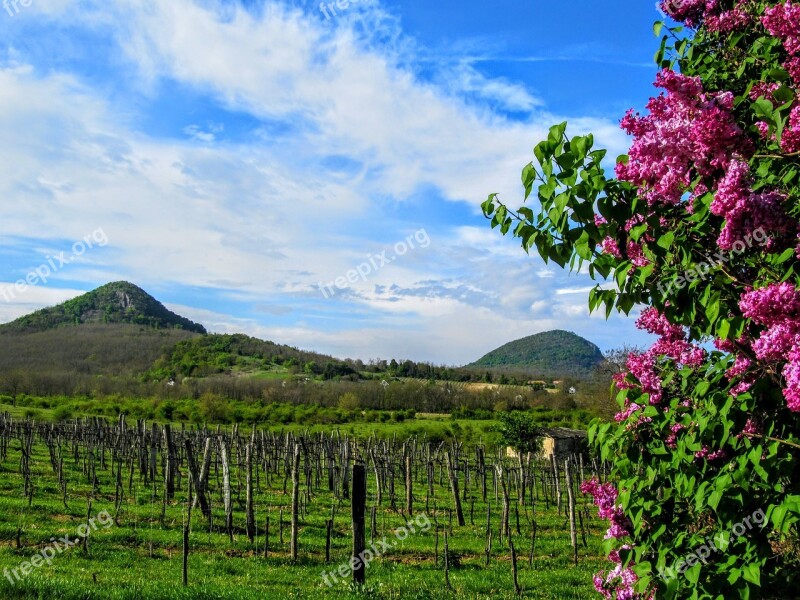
(12, 381)
(698, 229)
(349, 401)
(214, 408)
(518, 431)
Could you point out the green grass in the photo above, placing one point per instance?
(139, 557)
(468, 430)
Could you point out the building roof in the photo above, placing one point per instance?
(563, 433)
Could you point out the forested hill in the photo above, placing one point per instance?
(212, 354)
(551, 353)
(114, 303)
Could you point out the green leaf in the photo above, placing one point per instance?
(666, 240)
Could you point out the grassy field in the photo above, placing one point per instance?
(139, 555)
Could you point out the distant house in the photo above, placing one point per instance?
(559, 442)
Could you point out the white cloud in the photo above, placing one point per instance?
(15, 303)
(263, 217)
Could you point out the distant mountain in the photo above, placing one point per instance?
(114, 303)
(119, 329)
(551, 353)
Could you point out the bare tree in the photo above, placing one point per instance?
(11, 382)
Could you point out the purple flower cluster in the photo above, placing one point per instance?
(777, 308)
(745, 211)
(708, 13)
(790, 142)
(643, 365)
(783, 21)
(619, 582)
(687, 133)
(706, 453)
(671, 440)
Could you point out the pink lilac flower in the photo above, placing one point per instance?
(620, 526)
(672, 343)
(627, 412)
(706, 453)
(764, 132)
(783, 21)
(621, 381)
(634, 221)
(725, 345)
(610, 246)
(777, 307)
(753, 426)
(777, 341)
(691, 356)
(728, 21)
(671, 440)
(642, 367)
(739, 367)
(745, 211)
(630, 409)
(654, 322)
(717, 455)
(636, 254)
(605, 498)
(604, 494)
(681, 351)
(688, 132)
(765, 89)
(733, 186)
(793, 67)
(708, 13)
(756, 211)
(614, 556)
(790, 141)
(792, 374)
(617, 583)
(772, 304)
(687, 11)
(740, 388)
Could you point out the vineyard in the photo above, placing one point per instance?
(98, 509)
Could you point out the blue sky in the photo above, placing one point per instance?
(238, 158)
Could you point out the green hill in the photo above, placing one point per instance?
(214, 354)
(551, 353)
(114, 303)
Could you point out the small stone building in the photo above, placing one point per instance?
(559, 442)
(562, 442)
